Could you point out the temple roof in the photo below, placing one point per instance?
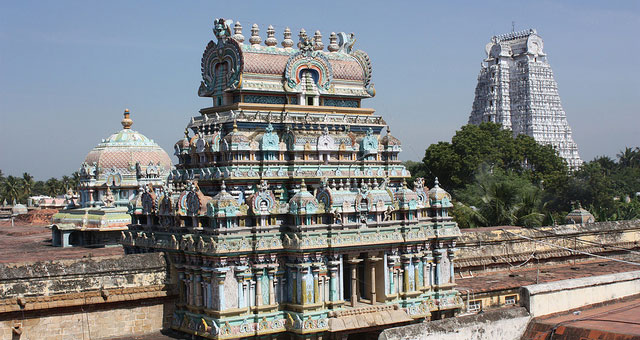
(230, 65)
(125, 148)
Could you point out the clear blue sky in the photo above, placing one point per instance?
(69, 68)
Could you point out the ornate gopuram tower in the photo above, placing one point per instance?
(516, 88)
(288, 215)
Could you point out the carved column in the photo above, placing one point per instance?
(220, 275)
(333, 280)
(206, 287)
(316, 284)
(437, 256)
(416, 273)
(391, 262)
(451, 252)
(354, 280)
(426, 270)
(239, 271)
(181, 284)
(272, 295)
(197, 283)
(372, 262)
(258, 273)
(406, 261)
(188, 285)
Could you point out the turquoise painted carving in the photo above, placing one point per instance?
(270, 140)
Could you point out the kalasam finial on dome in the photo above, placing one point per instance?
(126, 121)
(237, 33)
(333, 42)
(287, 42)
(318, 45)
(271, 37)
(255, 39)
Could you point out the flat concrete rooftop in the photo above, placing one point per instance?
(28, 243)
(615, 320)
(518, 277)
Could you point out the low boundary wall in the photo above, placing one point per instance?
(553, 297)
(506, 323)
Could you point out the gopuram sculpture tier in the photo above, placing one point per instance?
(516, 88)
(288, 214)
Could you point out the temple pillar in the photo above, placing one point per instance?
(239, 271)
(416, 273)
(451, 252)
(372, 263)
(426, 271)
(333, 280)
(391, 261)
(197, 285)
(206, 287)
(220, 275)
(437, 257)
(406, 261)
(258, 274)
(316, 284)
(272, 295)
(354, 280)
(181, 284)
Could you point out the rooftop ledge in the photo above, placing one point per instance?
(289, 108)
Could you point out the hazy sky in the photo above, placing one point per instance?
(69, 68)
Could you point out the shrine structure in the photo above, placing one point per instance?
(110, 177)
(288, 213)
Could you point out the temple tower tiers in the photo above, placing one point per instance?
(288, 212)
(516, 88)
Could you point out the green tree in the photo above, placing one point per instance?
(52, 187)
(12, 189)
(497, 198)
(488, 144)
(28, 183)
(629, 157)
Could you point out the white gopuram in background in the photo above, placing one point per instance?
(516, 88)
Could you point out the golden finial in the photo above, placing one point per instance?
(235, 126)
(303, 185)
(126, 121)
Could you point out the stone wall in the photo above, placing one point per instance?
(96, 298)
(509, 323)
(90, 322)
(553, 297)
(496, 248)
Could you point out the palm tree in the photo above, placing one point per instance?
(27, 182)
(52, 187)
(66, 183)
(75, 180)
(500, 203)
(528, 212)
(629, 157)
(12, 188)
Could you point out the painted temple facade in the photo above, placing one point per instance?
(289, 214)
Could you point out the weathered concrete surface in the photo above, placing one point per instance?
(553, 297)
(70, 276)
(506, 323)
(89, 298)
(496, 248)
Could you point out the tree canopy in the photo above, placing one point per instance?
(496, 179)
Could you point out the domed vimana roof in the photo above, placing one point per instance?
(123, 149)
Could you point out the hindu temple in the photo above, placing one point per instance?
(288, 214)
(123, 164)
